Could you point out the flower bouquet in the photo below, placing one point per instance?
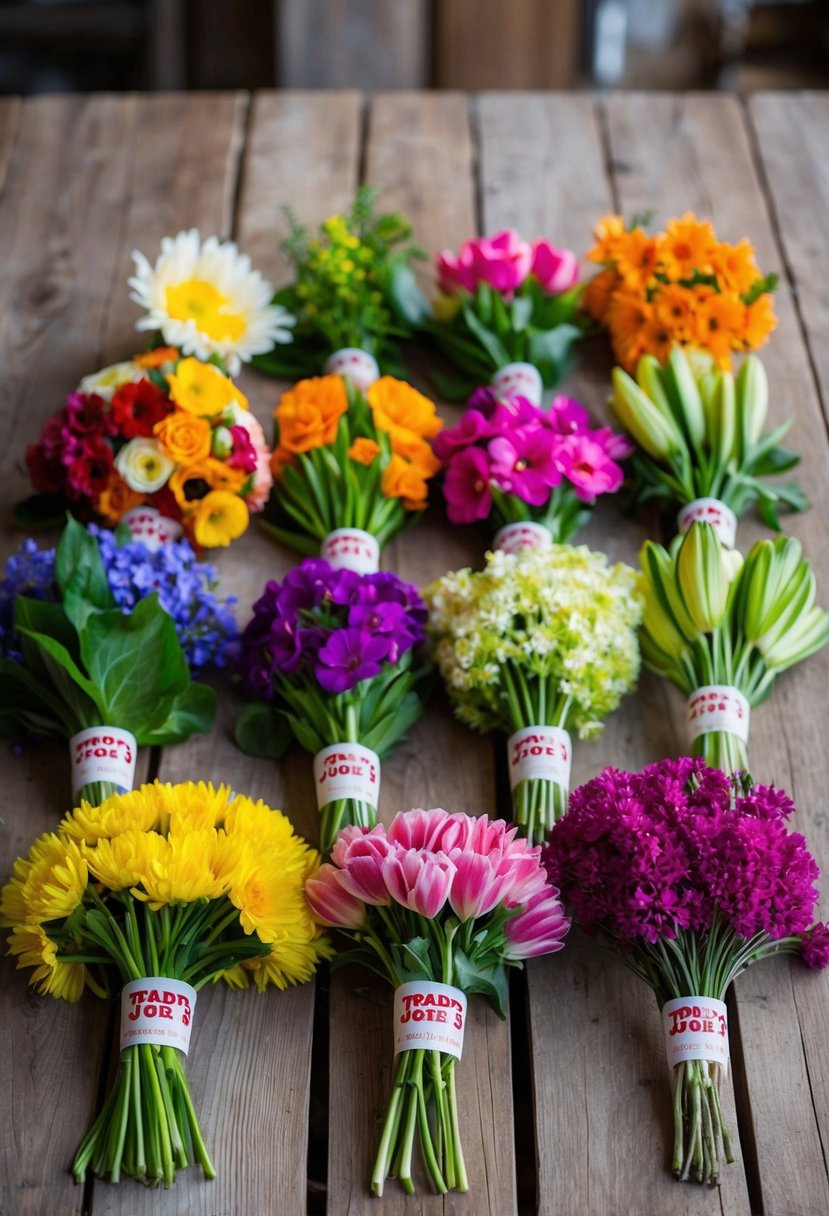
(537, 644)
(689, 879)
(703, 451)
(506, 314)
(680, 286)
(107, 678)
(351, 468)
(354, 294)
(154, 894)
(722, 629)
(330, 658)
(532, 474)
(439, 905)
(166, 445)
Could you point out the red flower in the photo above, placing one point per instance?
(243, 455)
(55, 438)
(136, 408)
(88, 476)
(86, 414)
(47, 476)
(164, 500)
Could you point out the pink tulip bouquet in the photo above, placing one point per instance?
(531, 474)
(690, 878)
(506, 311)
(439, 905)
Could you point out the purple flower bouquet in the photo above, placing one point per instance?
(690, 878)
(329, 660)
(532, 474)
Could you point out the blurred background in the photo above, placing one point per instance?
(66, 45)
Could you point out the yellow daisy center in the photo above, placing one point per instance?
(200, 301)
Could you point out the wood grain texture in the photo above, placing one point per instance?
(526, 44)
(675, 154)
(343, 43)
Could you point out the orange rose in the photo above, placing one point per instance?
(363, 450)
(192, 482)
(184, 437)
(394, 403)
(404, 480)
(416, 450)
(308, 414)
(118, 498)
(158, 357)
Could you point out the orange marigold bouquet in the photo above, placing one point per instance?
(161, 443)
(351, 467)
(681, 286)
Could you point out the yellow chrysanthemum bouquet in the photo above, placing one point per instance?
(156, 893)
(351, 467)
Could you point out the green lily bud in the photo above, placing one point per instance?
(683, 388)
(804, 638)
(659, 570)
(703, 577)
(752, 402)
(658, 436)
(725, 408)
(661, 640)
(650, 378)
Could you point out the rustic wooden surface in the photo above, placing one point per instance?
(565, 1106)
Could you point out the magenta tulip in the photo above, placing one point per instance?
(331, 903)
(539, 929)
(556, 270)
(419, 881)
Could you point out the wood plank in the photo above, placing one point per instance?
(674, 154)
(602, 1094)
(340, 43)
(528, 44)
(414, 142)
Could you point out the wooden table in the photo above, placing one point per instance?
(566, 1104)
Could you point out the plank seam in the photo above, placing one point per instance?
(16, 106)
(236, 160)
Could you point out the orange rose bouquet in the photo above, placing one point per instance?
(351, 467)
(680, 287)
(163, 444)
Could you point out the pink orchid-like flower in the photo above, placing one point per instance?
(616, 446)
(525, 464)
(472, 427)
(566, 416)
(502, 262)
(588, 468)
(331, 902)
(466, 486)
(539, 929)
(556, 270)
(419, 880)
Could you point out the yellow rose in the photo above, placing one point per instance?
(201, 389)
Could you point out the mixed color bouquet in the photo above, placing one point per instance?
(353, 297)
(700, 431)
(507, 313)
(532, 474)
(722, 629)
(330, 658)
(682, 286)
(537, 644)
(351, 467)
(689, 879)
(163, 444)
(79, 666)
(154, 894)
(440, 905)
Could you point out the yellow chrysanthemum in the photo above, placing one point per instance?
(183, 868)
(201, 389)
(121, 862)
(12, 901)
(119, 813)
(33, 948)
(292, 960)
(218, 518)
(54, 884)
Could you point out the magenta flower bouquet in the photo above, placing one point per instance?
(690, 878)
(439, 905)
(506, 311)
(329, 657)
(532, 474)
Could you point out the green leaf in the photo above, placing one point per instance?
(551, 351)
(80, 574)
(777, 460)
(449, 386)
(27, 704)
(417, 958)
(78, 694)
(494, 348)
(759, 288)
(405, 297)
(193, 713)
(521, 311)
(38, 616)
(262, 731)
(489, 981)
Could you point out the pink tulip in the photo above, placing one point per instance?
(360, 853)
(418, 829)
(419, 880)
(539, 929)
(477, 886)
(331, 903)
(502, 261)
(354, 841)
(557, 270)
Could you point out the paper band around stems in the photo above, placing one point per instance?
(153, 529)
(710, 511)
(515, 538)
(429, 1016)
(347, 770)
(718, 707)
(540, 753)
(695, 1028)
(360, 367)
(351, 549)
(103, 753)
(156, 1009)
(519, 380)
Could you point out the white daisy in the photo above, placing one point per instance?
(207, 299)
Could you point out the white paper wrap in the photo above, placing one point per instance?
(513, 538)
(519, 380)
(347, 770)
(432, 1016)
(351, 549)
(157, 1010)
(710, 511)
(103, 753)
(718, 707)
(539, 752)
(696, 1028)
(360, 367)
(151, 527)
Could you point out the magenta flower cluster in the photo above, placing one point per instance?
(430, 862)
(643, 855)
(504, 262)
(339, 626)
(512, 446)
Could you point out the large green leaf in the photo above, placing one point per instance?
(193, 713)
(59, 674)
(262, 731)
(79, 570)
(489, 981)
